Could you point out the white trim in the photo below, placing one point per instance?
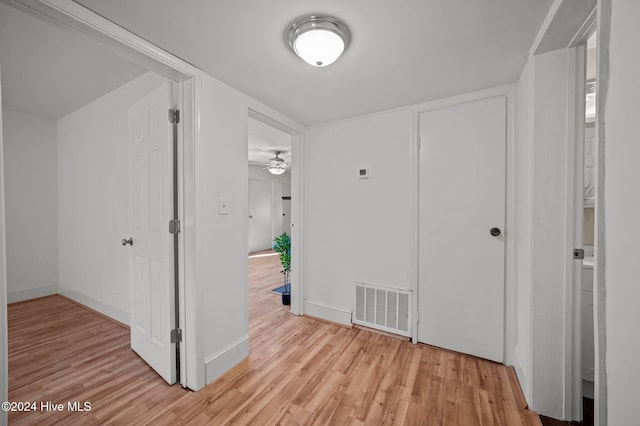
(328, 312)
(226, 358)
(523, 378)
(72, 15)
(586, 29)
(297, 224)
(574, 211)
(32, 293)
(195, 369)
(4, 345)
(272, 118)
(510, 274)
(546, 24)
(414, 261)
(262, 112)
(505, 90)
(188, 134)
(530, 213)
(599, 273)
(562, 18)
(98, 305)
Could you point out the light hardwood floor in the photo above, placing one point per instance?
(300, 371)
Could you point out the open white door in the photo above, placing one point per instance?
(152, 251)
(462, 216)
(4, 349)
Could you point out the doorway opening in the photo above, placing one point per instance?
(585, 229)
(71, 175)
(581, 228)
(270, 171)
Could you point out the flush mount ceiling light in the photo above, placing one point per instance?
(277, 166)
(318, 40)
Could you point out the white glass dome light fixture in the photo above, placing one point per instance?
(318, 40)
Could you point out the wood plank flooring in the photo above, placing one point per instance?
(300, 371)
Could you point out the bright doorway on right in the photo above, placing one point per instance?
(269, 216)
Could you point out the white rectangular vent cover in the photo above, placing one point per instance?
(383, 308)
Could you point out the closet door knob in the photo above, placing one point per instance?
(129, 241)
(495, 232)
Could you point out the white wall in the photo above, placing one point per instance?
(521, 233)
(31, 193)
(93, 199)
(357, 229)
(221, 240)
(622, 219)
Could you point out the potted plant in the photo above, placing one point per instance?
(282, 245)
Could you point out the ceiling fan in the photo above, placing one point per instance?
(277, 165)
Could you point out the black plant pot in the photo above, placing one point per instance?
(286, 298)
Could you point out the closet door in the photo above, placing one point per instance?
(462, 216)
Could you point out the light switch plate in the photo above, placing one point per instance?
(223, 205)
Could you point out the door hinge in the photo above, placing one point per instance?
(419, 142)
(176, 335)
(578, 253)
(174, 116)
(174, 226)
(418, 317)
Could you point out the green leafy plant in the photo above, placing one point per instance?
(283, 247)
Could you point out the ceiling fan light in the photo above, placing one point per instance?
(277, 169)
(318, 40)
(277, 165)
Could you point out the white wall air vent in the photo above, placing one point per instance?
(383, 308)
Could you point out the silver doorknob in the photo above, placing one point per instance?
(129, 241)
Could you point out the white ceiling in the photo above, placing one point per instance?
(49, 71)
(402, 52)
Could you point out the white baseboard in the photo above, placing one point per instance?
(104, 308)
(522, 378)
(220, 362)
(31, 293)
(327, 312)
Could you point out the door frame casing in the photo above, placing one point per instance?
(564, 29)
(261, 114)
(576, 75)
(573, 232)
(4, 365)
(188, 79)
